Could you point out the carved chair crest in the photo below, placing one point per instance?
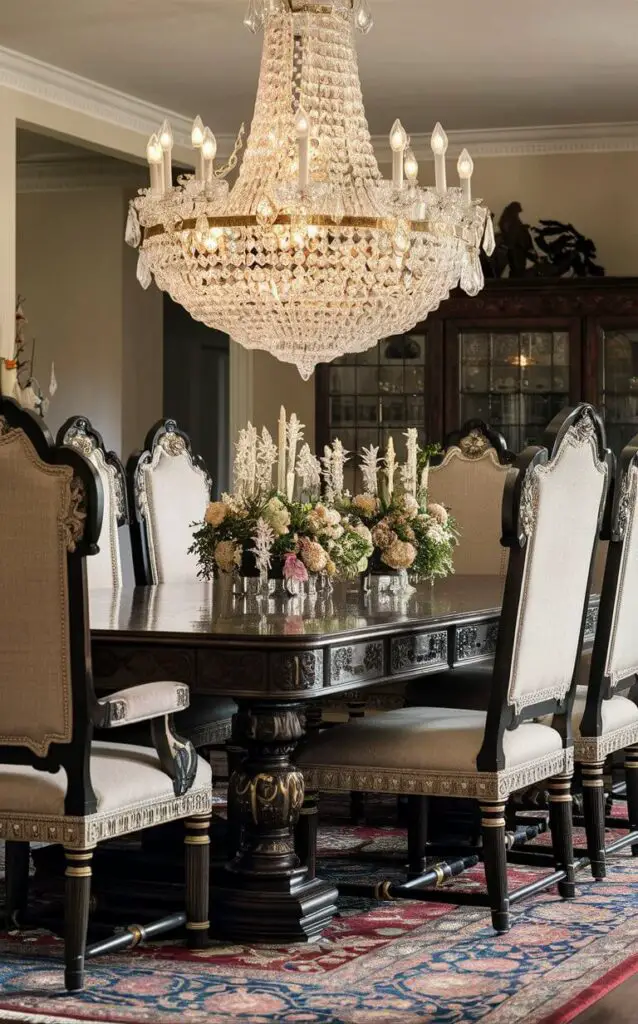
(152, 543)
(77, 432)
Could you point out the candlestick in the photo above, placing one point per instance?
(465, 167)
(197, 139)
(398, 143)
(438, 143)
(302, 127)
(290, 485)
(166, 142)
(155, 157)
(281, 464)
(209, 151)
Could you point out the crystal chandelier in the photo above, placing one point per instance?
(310, 254)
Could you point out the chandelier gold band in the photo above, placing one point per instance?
(286, 220)
(303, 7)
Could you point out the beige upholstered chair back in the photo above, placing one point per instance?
(622, 652)
(172, 490)
(561, 506)
(41, 519)
(105, 568)
(470, 482)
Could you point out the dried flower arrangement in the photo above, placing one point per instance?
(284, 531)
(408, 534)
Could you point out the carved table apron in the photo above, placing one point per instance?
(272, 659)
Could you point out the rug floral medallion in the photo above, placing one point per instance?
(397, 963)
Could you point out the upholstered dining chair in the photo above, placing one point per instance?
(105, 568)
(604, 720)
(552, 508)
(168, 490)
(57, 785)
(468, 478)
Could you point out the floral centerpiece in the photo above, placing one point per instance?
(284, 531)
(409, 534)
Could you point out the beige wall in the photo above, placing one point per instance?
(594, 191)
(89, 314)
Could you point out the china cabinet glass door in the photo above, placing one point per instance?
(376, 395)
(618, 396)
(514, 380)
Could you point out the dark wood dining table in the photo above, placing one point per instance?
(273, 656)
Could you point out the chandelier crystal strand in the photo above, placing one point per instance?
(311, 254)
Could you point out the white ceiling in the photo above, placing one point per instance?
(468, 63)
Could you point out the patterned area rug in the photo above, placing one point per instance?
(399, 963)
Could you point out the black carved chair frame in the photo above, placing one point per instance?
(83, 823)
(322, 774)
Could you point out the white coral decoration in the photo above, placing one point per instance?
(243, 459)
(328, 479)
(339, 459)
(390, 463)
(266, 459)
(309, 471)
(294, 436)
(263, 540)
(370, 469)
(409, 470)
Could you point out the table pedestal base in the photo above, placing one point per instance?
(279, 912)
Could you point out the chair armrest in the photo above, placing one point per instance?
(142, 703)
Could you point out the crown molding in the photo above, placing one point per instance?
(548, 140)
(27, 75)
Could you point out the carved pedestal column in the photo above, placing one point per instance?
(264, 895)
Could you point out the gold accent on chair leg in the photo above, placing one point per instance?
(196, 843)
(76, 913)
(560, 818)
(594, 812)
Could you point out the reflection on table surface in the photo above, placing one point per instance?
(200, 609)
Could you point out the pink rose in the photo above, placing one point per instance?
(294, 569)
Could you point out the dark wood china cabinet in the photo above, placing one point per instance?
(512, 356)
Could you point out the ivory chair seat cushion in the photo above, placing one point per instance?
(428, 750)
(619, 727)
(132, 792)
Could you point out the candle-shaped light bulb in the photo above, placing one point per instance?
(209, 149)
(209, 145)
(302, 128)
(398, 143)
(155, 157)
(465, 167)
(197, 133)
(411, 167)
(438, 143)
(166, 142)
(398, 137)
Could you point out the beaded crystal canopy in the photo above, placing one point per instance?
(310, 254)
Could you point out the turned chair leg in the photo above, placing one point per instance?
(357, 709)
(495, 863)
(77, 896)
(197, 866)
(418, 807)
(306, 833)
(560, 821)
(16, 884)
(631, 776)
(594, 811)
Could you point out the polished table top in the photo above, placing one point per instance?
(198, 612)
